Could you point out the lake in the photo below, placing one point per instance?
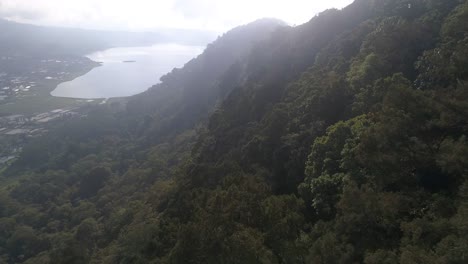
(127, 71)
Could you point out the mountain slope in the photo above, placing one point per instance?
(188, 94)
(339, 141)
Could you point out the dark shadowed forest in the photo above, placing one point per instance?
(342, 140)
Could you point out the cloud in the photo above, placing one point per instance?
(196, 8)
(227, 14)
(219, 15)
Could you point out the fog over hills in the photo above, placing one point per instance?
(342, 140)
(24, 39)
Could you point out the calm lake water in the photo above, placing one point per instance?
(116, 78)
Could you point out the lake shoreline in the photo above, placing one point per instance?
(38, 98)
(127, 71)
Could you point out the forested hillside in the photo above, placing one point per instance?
(343, 140)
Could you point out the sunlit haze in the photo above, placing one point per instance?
(215, 15)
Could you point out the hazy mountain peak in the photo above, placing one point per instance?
(269, 20)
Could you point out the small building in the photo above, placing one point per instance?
(17, 131)
(47, 119)
(4, 160)
(14, 117)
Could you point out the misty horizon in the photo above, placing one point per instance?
(144, 15)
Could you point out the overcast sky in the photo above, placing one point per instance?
(215, 15)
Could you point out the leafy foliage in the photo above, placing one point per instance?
(343, 140)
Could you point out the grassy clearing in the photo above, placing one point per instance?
(37, 104)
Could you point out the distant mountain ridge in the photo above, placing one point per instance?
(32, 40)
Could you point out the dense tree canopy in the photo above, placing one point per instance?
(343, 140)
